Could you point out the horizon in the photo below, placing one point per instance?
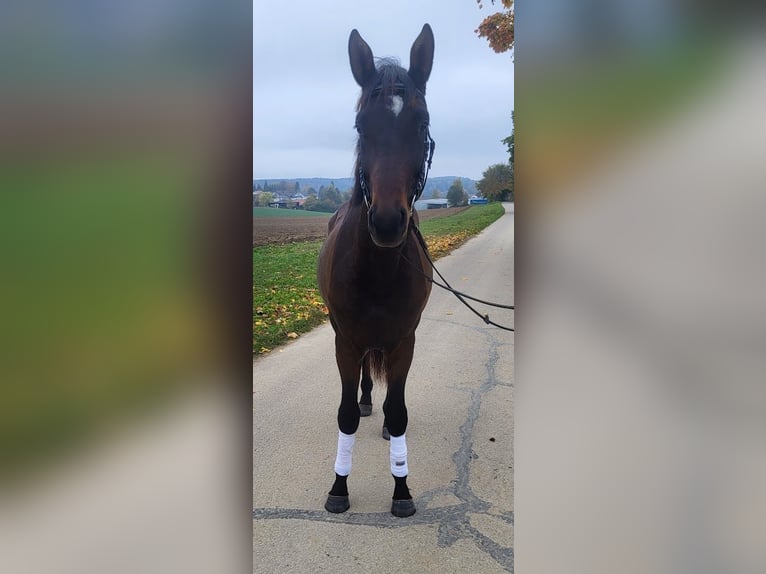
(430, 177)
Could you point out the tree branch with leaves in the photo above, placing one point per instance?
(497, 28)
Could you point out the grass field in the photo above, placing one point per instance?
(447, 233)
(273, 212)
(286, 300)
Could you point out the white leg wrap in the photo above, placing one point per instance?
(398, 451)
(343, 458)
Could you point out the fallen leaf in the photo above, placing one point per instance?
(292, 335)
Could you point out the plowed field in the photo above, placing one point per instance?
(281, 230)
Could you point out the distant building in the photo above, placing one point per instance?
(474, 200)
(287, 203)
(431, 204)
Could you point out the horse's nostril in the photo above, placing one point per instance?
(403, 218)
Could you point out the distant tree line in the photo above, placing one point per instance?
(282, 187)
(496, 184)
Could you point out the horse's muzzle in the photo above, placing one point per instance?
(388, 228)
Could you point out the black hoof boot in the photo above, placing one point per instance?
(337, 504)
(365, 410)
(385, 434)
(403, 508)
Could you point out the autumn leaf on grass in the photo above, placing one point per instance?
(292, 335)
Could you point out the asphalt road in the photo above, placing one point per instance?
(459, 439)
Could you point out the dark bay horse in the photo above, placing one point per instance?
(373, 273)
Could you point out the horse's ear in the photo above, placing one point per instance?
(422, 57)
(360, 56)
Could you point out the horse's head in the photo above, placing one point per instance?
(394, 146)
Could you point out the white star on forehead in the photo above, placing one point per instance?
(396, 104)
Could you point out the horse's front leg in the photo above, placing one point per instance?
(348, 360)
(397, 366)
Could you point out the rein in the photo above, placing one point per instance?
(447, 287)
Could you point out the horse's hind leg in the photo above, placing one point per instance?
(348, 421)
(398, 365)
(365, 403)
(384, 433)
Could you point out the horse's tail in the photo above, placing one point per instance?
(376, 364)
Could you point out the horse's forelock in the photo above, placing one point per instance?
(391, 79)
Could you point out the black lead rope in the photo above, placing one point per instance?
(447, 287)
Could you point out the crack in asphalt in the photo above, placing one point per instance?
(453, 521)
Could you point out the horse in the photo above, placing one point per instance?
(373, 271)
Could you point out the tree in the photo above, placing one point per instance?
(496, 183)
(509, 141)
(327, 200)
(497, 28)
(265, 198)
(331, 195)
(436, 194)
(311, 203)
(456, 195)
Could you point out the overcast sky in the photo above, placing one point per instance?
(304, 94)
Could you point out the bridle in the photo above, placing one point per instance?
(428, 153)
(429, 145)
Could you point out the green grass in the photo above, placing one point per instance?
(286, 299)
(285, 294)
(472, 220)
(274, 212)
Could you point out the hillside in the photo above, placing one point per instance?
(346, 183)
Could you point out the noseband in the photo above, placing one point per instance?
(429, 145)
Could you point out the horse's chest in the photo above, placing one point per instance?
(379, 315)
(384, 304)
